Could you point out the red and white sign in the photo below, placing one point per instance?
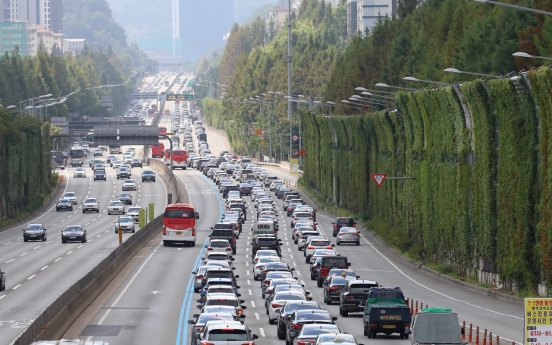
(295, 137)
(379, 178)
(295, 152)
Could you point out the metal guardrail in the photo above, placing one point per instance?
(40, 324)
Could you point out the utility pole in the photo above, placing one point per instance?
(289, 80)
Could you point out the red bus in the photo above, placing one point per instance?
(162, 130)
(157, 150)
(180, 158)
(179, 224)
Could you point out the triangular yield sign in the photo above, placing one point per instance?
(379, 178)
(302, 153)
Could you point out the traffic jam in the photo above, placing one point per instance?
(258, 207)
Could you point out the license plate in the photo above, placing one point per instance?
(389, 326)
(72, 237)
(34, 235)
(178, 233)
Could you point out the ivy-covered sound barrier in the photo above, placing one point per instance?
(482, 193)
(24, 162)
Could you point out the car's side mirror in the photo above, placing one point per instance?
(238, 287)
(333, 222)
(237, 277)
(197, 215)
(358, 277)
(255, 336)
(191, 322)
(244, 307)
(197, 336)
(199, 306)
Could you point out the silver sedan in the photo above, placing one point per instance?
(126, 224)
(348, 235)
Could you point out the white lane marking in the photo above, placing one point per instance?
(298, 273)
(294, 264)
(69, 252)
(250, 292)
(261, 330)
(15, 287)
(43, 268)
(289, 249)
(247, 263)
(2, 296)
(23, 254)
(302, 282)
(291, 256)
(10, 261)
(36, 247)
(433, 290)
(31, 277)
(257, 316)
(247, 272)
(80, 246)
(126, 288)
(48, 242)
(248, 282)
(253, 304)
(7, 243)
(56, 260)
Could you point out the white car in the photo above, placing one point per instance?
(115, 207)
(219, 246)
(274, 184)
(129, 185)
(90, 204)
(134, 213)
(71, 197)
(302, 239)
(79, 172)
(116, 164)
(261, 262)
(126, 224)
(279, 299)
(313, 243)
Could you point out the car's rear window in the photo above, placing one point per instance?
(319, 330)
(262, 240)
(290, 307)
(227, 334)
(216, 274)
(342, 221)
(222, 301)
(339, 281)
(313, 317)
(320, 243)
(218, 257)
(219, 244)
(337, 262)
(361, 288)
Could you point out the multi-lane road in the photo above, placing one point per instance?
(155, 299)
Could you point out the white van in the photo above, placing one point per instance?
(262, 228)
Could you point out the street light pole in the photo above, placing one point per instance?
(289, 79)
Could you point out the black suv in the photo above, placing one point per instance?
(229, 188)
(342, 222)
(266, 242)
(99, 174)
(148, 175)
(224, 231)
(353, 296)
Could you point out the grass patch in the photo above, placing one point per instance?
(33, 205)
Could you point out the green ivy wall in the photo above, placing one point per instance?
(482, 193)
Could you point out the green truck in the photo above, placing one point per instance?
(386, 311)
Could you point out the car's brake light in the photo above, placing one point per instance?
(199, 277)
(266, 281)
(356, 234)
(164, 231)
(297, 326)
(228, 248)
(275, 305)
(310, 247)
(334, 288)
(193, 231)
(209, 248)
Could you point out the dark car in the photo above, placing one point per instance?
(341, 222)
(125, 198)
(224, 231)
(228, 188)
(266, 242)
(309, 333)
(203, 318)
(304, 317)
(148, 175)
(123, 172)
(34, 232)
(245, 189)
(2, 281)
(353, 296)
(333, 287)
(326, 264)
(268, 276)
(64, 204)
(74, 233)
(287, 310)
(281, 191)
(218, 272)
(136, 163)
(100, 174)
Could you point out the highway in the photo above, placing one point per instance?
(38, 272)
(155, 299)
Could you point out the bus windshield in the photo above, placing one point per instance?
(76, 152)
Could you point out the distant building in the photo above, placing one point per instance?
(73, 45)
(48, 13)
(368, 12)
(39, 37)
(13, 35)
(278, 17)
(202, 26)
(352, 25)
